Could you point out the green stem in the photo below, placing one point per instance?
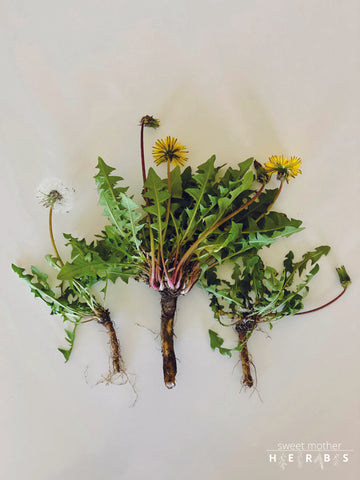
(76, 324)
(88, 297)
(169, 189)
(271, 204)
(161, 244)
(177, 239)
(52, 236)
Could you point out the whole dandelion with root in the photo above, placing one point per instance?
(73, 299)
(258, 294)
(190, 224)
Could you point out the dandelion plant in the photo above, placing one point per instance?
(187, 225)
(258, 294)
(73, 299)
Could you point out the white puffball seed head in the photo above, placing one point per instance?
(54, 193)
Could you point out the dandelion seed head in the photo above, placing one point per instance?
(53, 193)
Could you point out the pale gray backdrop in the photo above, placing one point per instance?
(236, 78)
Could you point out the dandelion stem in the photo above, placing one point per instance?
(271, 204)
(169, 189)
(177, 239)
(88, 297)
(161, 243)
(152, 243)
(52, 236)
(323, 306)
(143, 155)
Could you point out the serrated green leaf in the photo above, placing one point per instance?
(245, 165)
(70, 334)
(66, 353)
(157, 192)
(42, 289)
(40, 275)
(176, 183)
(118, 207)
(216, 342)
(205, 175)
(96, 268)
(311, 257)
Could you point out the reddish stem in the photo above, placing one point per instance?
(142, 152)
(143, 163)
(322, 306)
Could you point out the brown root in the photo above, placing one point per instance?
(168, 308)
(247, 379)
(117, 361)
(244, 329)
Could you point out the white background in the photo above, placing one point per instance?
(236, 78)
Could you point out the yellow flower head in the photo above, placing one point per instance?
(283, 167)
(169, 150)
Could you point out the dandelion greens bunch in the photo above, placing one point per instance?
(189, 224)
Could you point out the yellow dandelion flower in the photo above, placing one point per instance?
(169, 150)
(283, 167)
